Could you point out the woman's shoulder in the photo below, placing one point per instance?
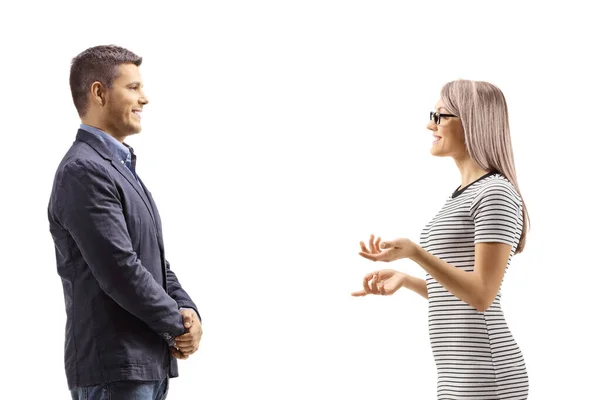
(497, 185)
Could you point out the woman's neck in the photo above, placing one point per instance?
(469, 171)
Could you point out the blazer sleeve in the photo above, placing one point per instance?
(88, 206)
(177, 293)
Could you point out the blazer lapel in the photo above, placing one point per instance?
(155, 213)
(123, 170)
(101, 148)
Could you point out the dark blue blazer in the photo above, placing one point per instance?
(122, 299)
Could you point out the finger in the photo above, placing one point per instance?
(372, 257)
(363, 247)
(188, 319)
(366, 280)
(380, 283)
(189, 353)
(187, 337)
(175, 353)
(191, 349)
(371, 243)
(178, 354)
(381, 287)
(186, 351)
(193, 343)
(359, 293)
(185, 347)
(375, 285)
(377, 242)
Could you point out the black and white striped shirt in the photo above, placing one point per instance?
(475, 353)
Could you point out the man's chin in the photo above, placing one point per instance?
(134, 129)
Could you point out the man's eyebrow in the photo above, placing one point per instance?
(136, 83)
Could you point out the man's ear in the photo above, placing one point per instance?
(98, 93)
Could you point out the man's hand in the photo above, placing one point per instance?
(178, 354)
(189, 342)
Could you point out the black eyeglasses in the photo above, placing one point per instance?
(435, 116)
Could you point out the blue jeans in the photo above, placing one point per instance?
(123, 390)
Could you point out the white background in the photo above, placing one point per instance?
(278, 135)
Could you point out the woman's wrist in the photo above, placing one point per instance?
(417, 253)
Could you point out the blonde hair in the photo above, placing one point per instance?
(482, 109)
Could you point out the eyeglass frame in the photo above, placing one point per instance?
(436, 116)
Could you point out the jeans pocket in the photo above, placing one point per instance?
(164, 396)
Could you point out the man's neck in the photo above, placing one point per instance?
(103, 127)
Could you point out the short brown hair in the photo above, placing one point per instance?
(97, 64)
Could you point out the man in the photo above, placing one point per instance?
(128, 318)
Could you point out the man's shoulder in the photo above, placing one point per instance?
(80, 163)
(80, 154)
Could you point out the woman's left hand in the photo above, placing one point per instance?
(388, 251)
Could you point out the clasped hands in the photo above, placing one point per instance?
(188, 343)
(386, 281)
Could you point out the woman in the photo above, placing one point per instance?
(466, 249)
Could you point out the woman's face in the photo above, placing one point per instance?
(449, 136)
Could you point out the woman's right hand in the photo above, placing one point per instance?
(383, 282)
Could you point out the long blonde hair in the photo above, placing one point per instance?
(482, 109)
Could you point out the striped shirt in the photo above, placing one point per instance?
(475, 353)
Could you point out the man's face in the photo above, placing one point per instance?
(124, 102)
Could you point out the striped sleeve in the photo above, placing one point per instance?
(496, 212)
